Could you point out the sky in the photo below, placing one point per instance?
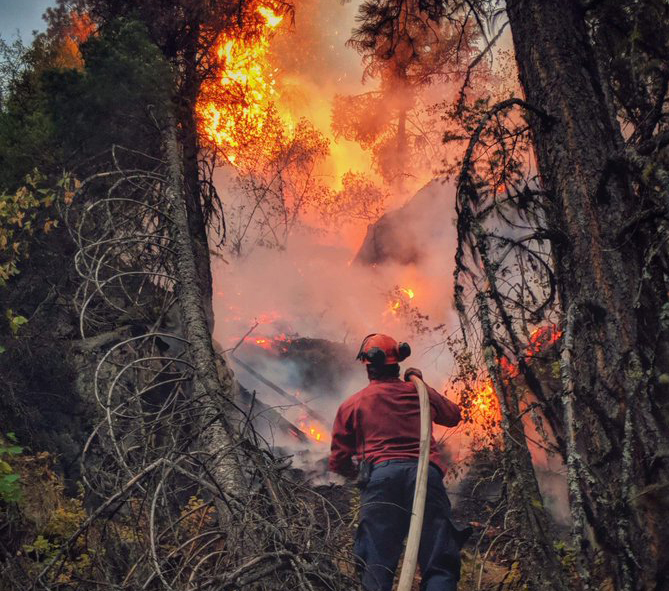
(23, 16)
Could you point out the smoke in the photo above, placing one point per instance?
(316, 288)
(338, 283)
(313, 64)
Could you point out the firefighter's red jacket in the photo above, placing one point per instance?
(382, 422)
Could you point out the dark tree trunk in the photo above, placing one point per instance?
(620, 434)
(189, 140)
(402, 138)
(526, 514)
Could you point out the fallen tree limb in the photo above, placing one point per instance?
(296, 401)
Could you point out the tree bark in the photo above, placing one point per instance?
(218, 436)
(526, 513)
(189, 140)
(618, 420)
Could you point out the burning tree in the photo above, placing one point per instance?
(359, 199)
(272, 160)
(278, 183)
(561, 218)
(407, 46)
(183, 492)
(569, 244)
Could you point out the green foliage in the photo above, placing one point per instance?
(51, 114)
(45, 518)
(16, 321)
(20, 212)
(106, 102)
(41, 547)
(10, 488)
(27, 139)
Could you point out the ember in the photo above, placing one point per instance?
(315, 431)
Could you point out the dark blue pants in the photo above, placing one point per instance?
(384, 523)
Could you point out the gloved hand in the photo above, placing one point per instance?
(412, 371)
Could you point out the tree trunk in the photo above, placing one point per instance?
(217, 413)
(402, 94)
(620, 433)
(526, 513)
(189, 140)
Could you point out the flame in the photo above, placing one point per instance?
(273, 20)
(484, 407)
(250, 109)
(542, 337)
(509, 370)
(278, 343)
(406, 294)
(314, 431)
(236, 107)
(78, 29)
(482, 399)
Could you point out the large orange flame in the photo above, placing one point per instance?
(482, 403)
(235, 108)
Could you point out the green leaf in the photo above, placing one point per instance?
(15, 322)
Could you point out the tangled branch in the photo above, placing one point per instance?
(157, 465)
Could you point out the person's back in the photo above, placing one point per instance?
(385, 419)
(380, 425)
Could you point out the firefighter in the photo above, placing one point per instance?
(380, 427)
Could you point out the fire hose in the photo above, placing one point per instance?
(420, 492)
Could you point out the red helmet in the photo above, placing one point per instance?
(380, 349)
